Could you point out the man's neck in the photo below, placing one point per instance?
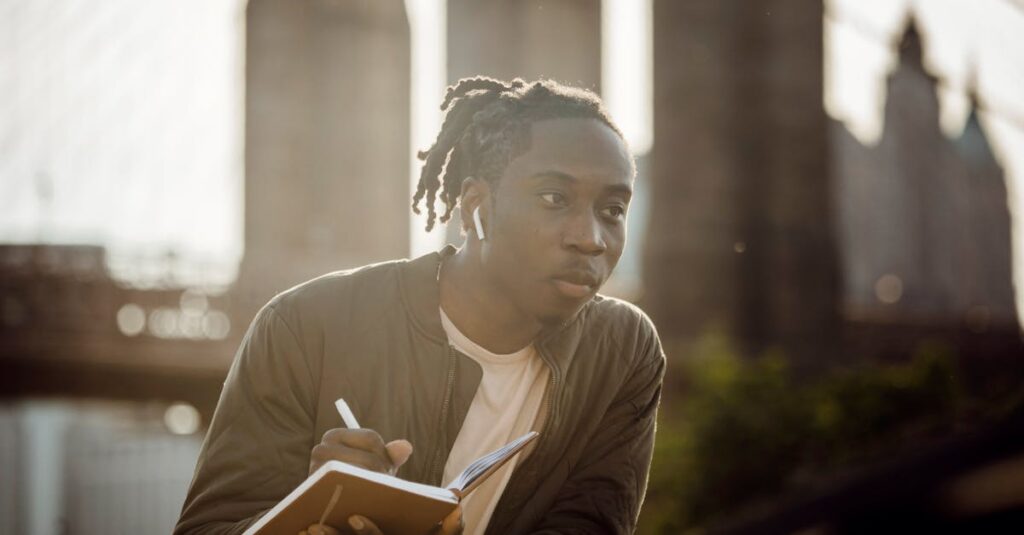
(479, 310)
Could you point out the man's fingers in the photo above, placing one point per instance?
(399, 451)
(363, 525)
(452, 524)
(363, 439)
(319, 529)
(335, 452)
(361, 447)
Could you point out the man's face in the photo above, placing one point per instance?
(558, 221)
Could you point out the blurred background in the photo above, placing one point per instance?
(827, 231)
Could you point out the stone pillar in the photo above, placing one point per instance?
(327, 139)
(558, 39)
(740, 236)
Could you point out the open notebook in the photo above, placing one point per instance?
(397, 506)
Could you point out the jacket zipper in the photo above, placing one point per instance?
(551, 408)
(437, 472)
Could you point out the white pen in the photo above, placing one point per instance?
(346, 414)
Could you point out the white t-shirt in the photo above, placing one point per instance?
(506, 406)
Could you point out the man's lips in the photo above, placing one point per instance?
(576, 284)
(573, 290)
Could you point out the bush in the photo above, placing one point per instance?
(745, 429)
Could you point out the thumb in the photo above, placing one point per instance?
(453, 523)
(399, 451)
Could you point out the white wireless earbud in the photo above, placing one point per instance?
(479, 226)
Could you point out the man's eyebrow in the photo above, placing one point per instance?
(566, 177)
(620, 188)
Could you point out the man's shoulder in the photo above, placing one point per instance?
(619, 324)
(606, 312)
(332, 293)
(630, 331)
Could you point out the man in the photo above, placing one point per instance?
(448, 356)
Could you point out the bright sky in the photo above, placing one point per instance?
(121, 123)
(429, 72)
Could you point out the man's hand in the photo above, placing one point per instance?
(361, 447)
(451, 525)
(365, 448)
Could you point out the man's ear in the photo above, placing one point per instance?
(476, 193)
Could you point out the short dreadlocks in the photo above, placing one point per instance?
(486, 125)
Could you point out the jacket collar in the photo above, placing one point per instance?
(420, 289)
(421, 292)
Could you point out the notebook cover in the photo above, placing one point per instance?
(395, 511)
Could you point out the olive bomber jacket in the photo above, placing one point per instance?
(374, 337)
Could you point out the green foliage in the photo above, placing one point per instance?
(746, 429)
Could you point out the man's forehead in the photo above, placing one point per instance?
(614, 183)
(552, 137)
(574, 149)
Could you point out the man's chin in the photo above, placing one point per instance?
(556, 317)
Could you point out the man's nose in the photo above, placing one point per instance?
(584, 234)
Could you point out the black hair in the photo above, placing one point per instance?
(486, 125)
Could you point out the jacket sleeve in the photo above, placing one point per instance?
(606, 487)
(259, 441)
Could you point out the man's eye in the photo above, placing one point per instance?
(615, 211)
(553, 198)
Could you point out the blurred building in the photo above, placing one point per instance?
(924, 228)
(924, 221)
(799, 236)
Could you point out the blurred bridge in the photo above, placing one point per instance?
(68, 329)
